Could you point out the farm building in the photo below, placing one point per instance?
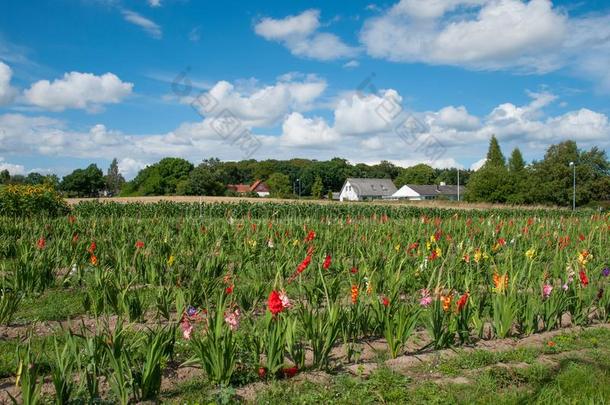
(366, 189)
(417, 192)
(258, 187)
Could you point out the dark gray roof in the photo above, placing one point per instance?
(434, 190)
(372, 187)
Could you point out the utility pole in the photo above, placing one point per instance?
(573, 165)
(458, 170)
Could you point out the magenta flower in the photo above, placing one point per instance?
(426, 299)
(546, 290)
(187, 329)
(232, 319)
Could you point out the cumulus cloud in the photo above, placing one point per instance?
(154, 3)
(364, 114)
(299, 33)
(7, 92)
(152, 28)
(300, 131)
(502, 34)
(263, 106)
(78, 90)
(13, 169)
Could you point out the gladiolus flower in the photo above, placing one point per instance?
(446, 302)
(546, 290)
(385, 301)
(426, 299)
(531, 254)
(71, 219)
(187, 329)
(191, 311)
(171, 260)
(310, 236)
(327, 261)
(290, 372)
(42, 242)
(229, 289)
(262, 373)
(93, 260)
(584, 280)
(285, 300)
(550, 343)
(274, 303)
(304, 264)
(500, 282)
(581, 237)
(606, 272)
(139, 244)
(461, 303)
(92, 247)
(353, 270)
(355, 294)
(232, 319)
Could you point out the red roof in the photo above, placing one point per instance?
(257, 186)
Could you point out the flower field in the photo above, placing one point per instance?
(259, 292)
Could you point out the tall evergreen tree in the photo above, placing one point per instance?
(495, 157)
(516, 163)
(114, 178)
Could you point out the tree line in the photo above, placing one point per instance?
(512, 181)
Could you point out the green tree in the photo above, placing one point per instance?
(488, 184)
(5, 177)
(84, 182)
(114, 178)
(495, 157)
(162, 178)
(318, 188)
(279, 185)
(418, 174)
(518, 192)
(206, 179)
(34, 178)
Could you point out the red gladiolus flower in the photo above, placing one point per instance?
(326, 264)
(353, 270)
(229, 289)
(274, 303)
(310, 236)
(501, 241)
(42, 242)
(581, 237)
(304, 264)
(385, 301)
(584, 280)
(262, 373)
(437, 235)
(139, 244)
(290, 372)
(75, 238)
(92, 247)
(462, 302)
(71, 219)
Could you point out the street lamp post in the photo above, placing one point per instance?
(573, 166)
(458, 170)
(299, 183)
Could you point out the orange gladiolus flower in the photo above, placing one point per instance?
(355, 294)
(500, 282)
(446, 300)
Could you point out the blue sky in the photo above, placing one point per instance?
(85, 81)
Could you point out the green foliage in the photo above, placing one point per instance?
(114, 179)
(279, 185)
(83, 182)
(317, 188)
(205, 179)
(418, 174)
(162, 178)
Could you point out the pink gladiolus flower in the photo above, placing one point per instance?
(546, 290)
(285, 300)
(426, 299)
(232, 319)
(187, 329)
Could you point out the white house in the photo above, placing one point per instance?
(418, 192)
(366, 189)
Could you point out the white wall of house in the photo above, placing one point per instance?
(263, 193)
(348, 193)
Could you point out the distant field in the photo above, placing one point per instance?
(205, 199)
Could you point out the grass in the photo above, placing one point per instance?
(53, 305)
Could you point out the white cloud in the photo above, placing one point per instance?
(454, 117)
(299, 34)
(129, 167)
(351, 64)
(257, 106)
(153, 29)
(7, 93)
(300, 131)
(154, 3)
(365, 114)
(478, 164)
(13, 169)
(503, 34)
(78, 90)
